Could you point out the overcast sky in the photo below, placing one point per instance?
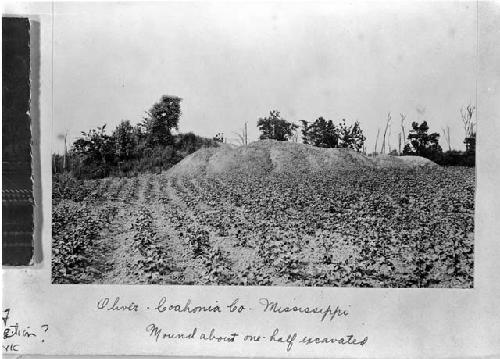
(233, 63)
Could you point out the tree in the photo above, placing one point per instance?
(305, 132)
(219, 137)
(470, 128)
(320, 133)
(351, 136)
(95, 146)
(422, 143)
(94, 153)
(403, 132)
(387, 126)
(275, 128)
(243, 135)
(446, 135)
(162, 118)
(376, 141)
(124, 139)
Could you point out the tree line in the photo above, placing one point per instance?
(151, 146)
(319, 133)
(419, 142)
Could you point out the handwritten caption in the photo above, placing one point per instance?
(329, 314)
(16, 333)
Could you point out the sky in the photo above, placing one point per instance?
(232, 63)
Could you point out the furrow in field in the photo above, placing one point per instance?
(115, 249)
(210, 228)
(169, 216)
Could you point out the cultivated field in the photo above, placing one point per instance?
(361, 227)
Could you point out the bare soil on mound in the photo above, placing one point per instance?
(268, 156)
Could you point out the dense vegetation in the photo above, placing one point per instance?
(427, 145)
(359, 227)
(129, 150)
(319, 133)
(419, 142)
(274, 127)
(323, 133)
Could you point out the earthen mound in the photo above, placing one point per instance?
(267, 156)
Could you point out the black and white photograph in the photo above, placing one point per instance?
(264, 144)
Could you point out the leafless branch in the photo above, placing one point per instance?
(376, 141)
(385, 131)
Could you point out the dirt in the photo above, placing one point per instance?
(267, 156)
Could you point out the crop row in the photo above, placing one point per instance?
(153, 261)
(362, 228)
(95, 191)
(214, 264)
(405, 228)
(75, 231)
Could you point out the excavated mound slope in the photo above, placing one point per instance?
(274, 156)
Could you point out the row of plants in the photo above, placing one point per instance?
(153, 262)
(75, 232)
(352, 227)
(409, 227)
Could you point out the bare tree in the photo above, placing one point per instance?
(403, 119)
(376, 140)
(399, 143)
(240, 139)
(446, 136)
(385, 131)
(469, 126)
(245, 132)
(243, 135)
(389, 138)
